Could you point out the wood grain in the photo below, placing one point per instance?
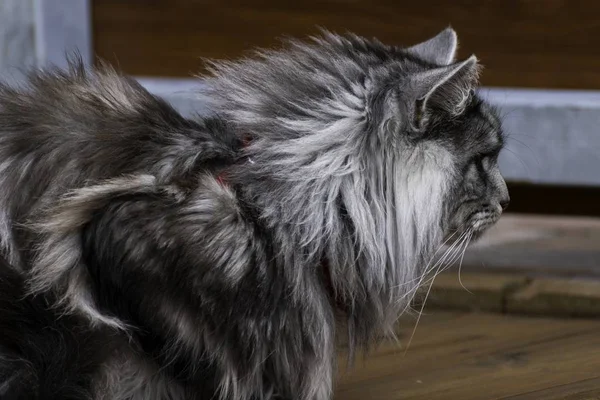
(586, 389)
(482, 356)
(527, 43)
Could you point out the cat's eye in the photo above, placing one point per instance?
(419, 114)
(493, 155)
(490, 156)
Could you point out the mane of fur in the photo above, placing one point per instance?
(330, 178)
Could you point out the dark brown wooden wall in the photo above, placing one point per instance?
(527, 43)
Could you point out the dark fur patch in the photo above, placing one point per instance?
(46, 355)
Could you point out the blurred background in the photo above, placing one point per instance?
(541, 69)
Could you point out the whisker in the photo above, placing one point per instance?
(455, 256)
(450, 263)
(461, 240)
(461, 262)
(441, 246)
(450, 249)
(518, 157)
(533, 153)
(428, 269)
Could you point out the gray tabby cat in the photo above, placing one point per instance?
(215, 254)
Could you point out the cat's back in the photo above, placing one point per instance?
(65, 129)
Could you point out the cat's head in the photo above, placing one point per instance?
(468, 128)
(395, 132)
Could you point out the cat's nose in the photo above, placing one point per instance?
(505, 202)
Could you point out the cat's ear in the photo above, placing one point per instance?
(440, 49)
(443, 89)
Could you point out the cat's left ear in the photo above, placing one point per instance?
(440, 49)
(443, 89)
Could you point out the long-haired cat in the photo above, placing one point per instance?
(214, 256)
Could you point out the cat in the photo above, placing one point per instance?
(220, 255)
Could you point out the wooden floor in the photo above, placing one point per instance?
(478, 356)
(533, 272)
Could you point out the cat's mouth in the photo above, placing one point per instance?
(475, 225)
(482, 221)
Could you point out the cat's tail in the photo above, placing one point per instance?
(58, 265)
(45, 355)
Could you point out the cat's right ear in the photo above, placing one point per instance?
(440, 49)
(443, 90)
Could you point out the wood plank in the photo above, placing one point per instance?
(586, 389)
(539, 245)
(527, 265)
(517, 293)
(481, 356)
(474, 291)
(526, 43)
(557, 297)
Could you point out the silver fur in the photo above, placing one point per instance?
(365, 157)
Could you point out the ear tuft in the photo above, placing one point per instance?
(439, 50)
